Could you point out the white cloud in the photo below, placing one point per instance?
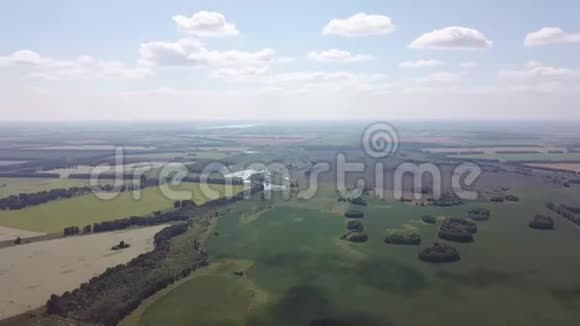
(468, 64)
(232, 57)
(360, 24)
(189, 53)
(424, 63)
(82, 68)
(452, 37)
(167, 53)
(535, 72)
(206, 24)
(550, 35)
(286, 59)
(440, 77)
(336, 55)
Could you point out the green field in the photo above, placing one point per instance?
(54, 216)
(14, 186)
(527, 157)
(298, 270)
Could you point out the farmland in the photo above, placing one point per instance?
(495, 149)
(296, 270)
(24, 280)
(14, 186)
(87, 209)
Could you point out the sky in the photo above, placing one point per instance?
(289, 60)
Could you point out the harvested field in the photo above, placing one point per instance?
(574, 167)
(494, 150)
(66, 262)
(12, 234)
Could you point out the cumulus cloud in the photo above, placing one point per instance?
(452, 37)
(206, 24)
(550, 35)
(360, 24)
(82, 68)
(189, 53)
(167, 53)
(336, 55)
(423, 63)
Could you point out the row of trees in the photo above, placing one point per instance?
(21, 201)
(107, 298)
(568, 212)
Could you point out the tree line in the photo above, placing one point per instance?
(23, 200)
(107, 298)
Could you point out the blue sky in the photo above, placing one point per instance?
(71, 60)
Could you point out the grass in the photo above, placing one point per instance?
(521, 157)
(87, 209)
(306, 273)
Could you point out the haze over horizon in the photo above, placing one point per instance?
(335, 60)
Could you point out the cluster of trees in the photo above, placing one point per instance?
(439, 253)
(568, 212)
(457, 229)
(405, 237)
(21, 201)
(356, 201)
(71, 230)
(479, 214)
(542, 222)
(107, 298)
(354, 213)
(447, 199)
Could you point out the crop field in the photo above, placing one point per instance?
(24, 283)
(295, 269)
(527, 157)
(53, 216)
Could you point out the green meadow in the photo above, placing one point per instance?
(296, 269)
(54, 216)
